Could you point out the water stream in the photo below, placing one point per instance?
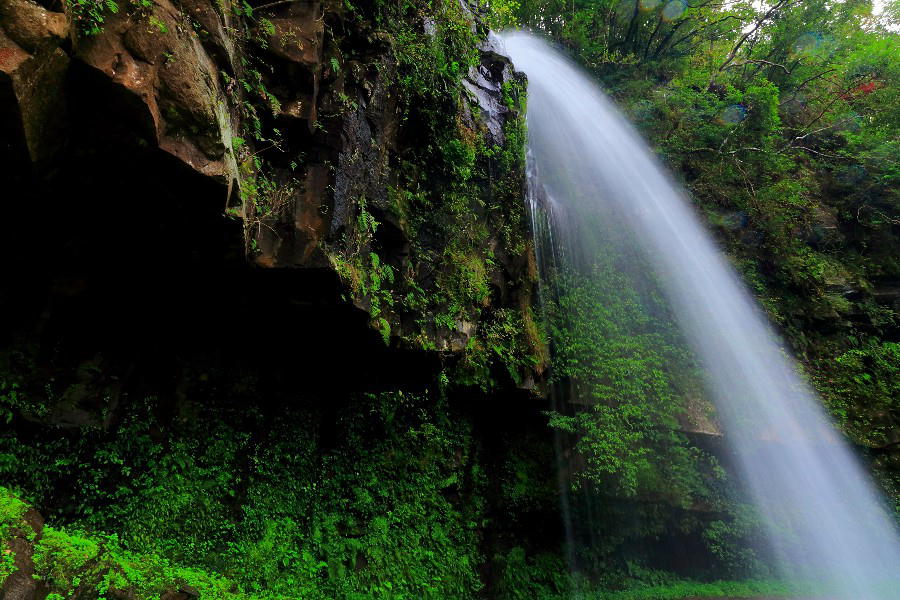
(825, 521)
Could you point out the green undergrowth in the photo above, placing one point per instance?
(387, 505)
(699, 591)
(628, 393)
(545, 576)
(12, 511)
(73, 563)
(631, 373)
(389, 495)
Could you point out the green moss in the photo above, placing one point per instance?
(12, 513)
(74, 564)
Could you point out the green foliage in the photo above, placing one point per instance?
(12, 513)
(504, 14)
(731, 539)
(89, 15)
(12, 510)
(17, 370)
(390, 510)
(621, 34)
(430, 65)
(631, 372)
(542, 577)
(691, 589)
(546, 577)
(9, 399)
(870, 370)
(369, 279)
(72, 564)
(626, 389)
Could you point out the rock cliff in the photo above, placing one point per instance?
(164, 156)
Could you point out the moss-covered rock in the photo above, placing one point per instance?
(20, 528)
(410, 185)
(45, 562)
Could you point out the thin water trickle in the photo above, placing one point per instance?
(825, 520)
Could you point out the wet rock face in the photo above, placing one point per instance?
(157, 60)
(357, 147)
(485, 82)
(161, 61)
(374, 149)
(32, 26)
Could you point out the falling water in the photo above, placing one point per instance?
(824, 518)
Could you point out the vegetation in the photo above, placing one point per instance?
(778, 117)
(89, 16)
(272, 514)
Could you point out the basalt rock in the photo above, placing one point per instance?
(32, 69)
(485, 82)
(160, 60)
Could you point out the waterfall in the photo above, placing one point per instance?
(825, 521)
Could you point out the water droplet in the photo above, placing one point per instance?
(674, 9)
(807, 44)
(650, 4)
(733, 114)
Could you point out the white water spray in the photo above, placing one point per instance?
(825, 520)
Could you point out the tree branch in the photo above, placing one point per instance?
(731, 55)
(756, 61)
